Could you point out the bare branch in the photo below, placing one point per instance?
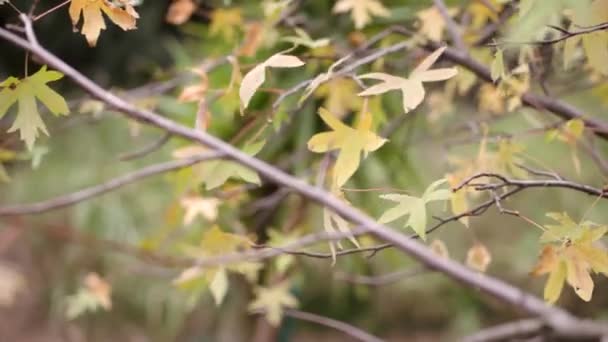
(346, 328)
(381, 280)
(528, 183)
(508, 331)
(98, 190)
(144, 151)
(452, 26)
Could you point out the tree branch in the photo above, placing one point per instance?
(98, 190)
(508, 331)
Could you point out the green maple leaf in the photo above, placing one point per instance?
(216, 173)
(415, 207)
(25, 92)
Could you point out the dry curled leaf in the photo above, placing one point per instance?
(256, 76)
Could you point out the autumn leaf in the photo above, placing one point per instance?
(302, 38)
(439, 248)
(351, 143)
(25, 92)
(215, 242)
(509, 157)
(570, 133)
(497, 68)
(95, 294)
(478, 257)
(225, 21)
(432, 23)
(272, 301)
(256, 76)
(411, 87)
(12, 283)
(199, 206)
(361, 10)
(571, 253)
(594, 43)
(215, 173)
(340, 96)
(180, 11)
(93, 22)
(414, 207)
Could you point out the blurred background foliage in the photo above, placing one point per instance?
(84, 149)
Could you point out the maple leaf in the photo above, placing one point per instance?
(594, 43)
(256, 76)
(215, 173)
(509, 157)
(93, 22)
(340, 96)
(478, 257)
(272, 301)
(215, 242)
(497, 68)
(572, 258)
(96, 293)
(411, 87)
(439, 248)
(432, 23)
(303, 38)
(415, 207)
(25, 92)
(352, 142)
(225, 21)
(361, 10)
(196, 205)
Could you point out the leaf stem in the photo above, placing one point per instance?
(51, 10)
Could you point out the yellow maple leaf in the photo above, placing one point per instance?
(361, 10)
(432, 23)
(272, 301)
(572, 253)
(594, 43)
(352, 142)
(411, 88)
(226, 21)
(93, 21)
(215, 242)
(340, 96)
(478, 257)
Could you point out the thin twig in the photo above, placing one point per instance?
(98, 190)
(51, 10)
(453, 28)
(144, 151)
(381, 280)
(509, 331)
(348, 329)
